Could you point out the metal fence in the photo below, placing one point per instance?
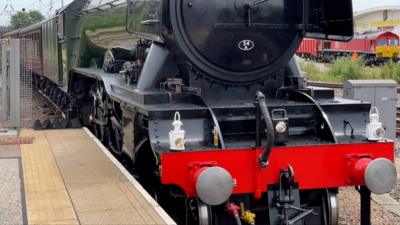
(26, 82)
(15, 83)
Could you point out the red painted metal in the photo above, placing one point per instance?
(319, 166)
(355, 45)
(360, 44)
(357, 167)
(388, 36)
(308, 47)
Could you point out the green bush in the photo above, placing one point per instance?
(314, 72)
(310, 68)
(390, 70)
(346, 69)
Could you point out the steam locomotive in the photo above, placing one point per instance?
(206, 105)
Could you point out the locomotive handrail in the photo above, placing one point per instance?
(149, 22)
(269, 129)
(99, 7)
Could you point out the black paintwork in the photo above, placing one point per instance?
(232, 42)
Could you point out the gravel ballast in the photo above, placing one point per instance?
(10, 192)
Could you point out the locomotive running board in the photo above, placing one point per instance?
(120, 91)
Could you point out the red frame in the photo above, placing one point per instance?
(319, 166)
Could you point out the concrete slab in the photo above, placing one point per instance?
(10, 192)
(392, 208)
(83, 173)
(8, 132)
(10, 151)
(112, 217)
(95, 197)
(384, 199)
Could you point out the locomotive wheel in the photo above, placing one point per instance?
(330, 207)
(99, 130)
(114, 136)
(99, 112)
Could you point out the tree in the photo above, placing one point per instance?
(23, 18)
(4, 29)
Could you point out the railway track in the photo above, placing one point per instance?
(324, 84)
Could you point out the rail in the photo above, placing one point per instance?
(324, 84)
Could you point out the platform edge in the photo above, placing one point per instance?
(160, 211)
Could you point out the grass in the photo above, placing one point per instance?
(348, 69)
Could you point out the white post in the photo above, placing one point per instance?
(4, 81)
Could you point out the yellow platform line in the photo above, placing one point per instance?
(47, 200)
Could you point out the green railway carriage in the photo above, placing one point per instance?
(78, 35)
(84, 34)
(51, 49)
(91, 30)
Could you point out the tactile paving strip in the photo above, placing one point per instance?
(47, 199)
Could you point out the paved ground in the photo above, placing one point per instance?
(11, 201)
(70, 179)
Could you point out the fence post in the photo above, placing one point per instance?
(15, 99)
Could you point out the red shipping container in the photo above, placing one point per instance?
(308, 47)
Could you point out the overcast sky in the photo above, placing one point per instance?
(45, 7)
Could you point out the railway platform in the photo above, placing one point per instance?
(68, 177)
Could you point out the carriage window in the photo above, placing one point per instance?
(60, 25)
(144, 16)
(382, 42)
(327, 45)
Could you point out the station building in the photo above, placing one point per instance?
(378, 19)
